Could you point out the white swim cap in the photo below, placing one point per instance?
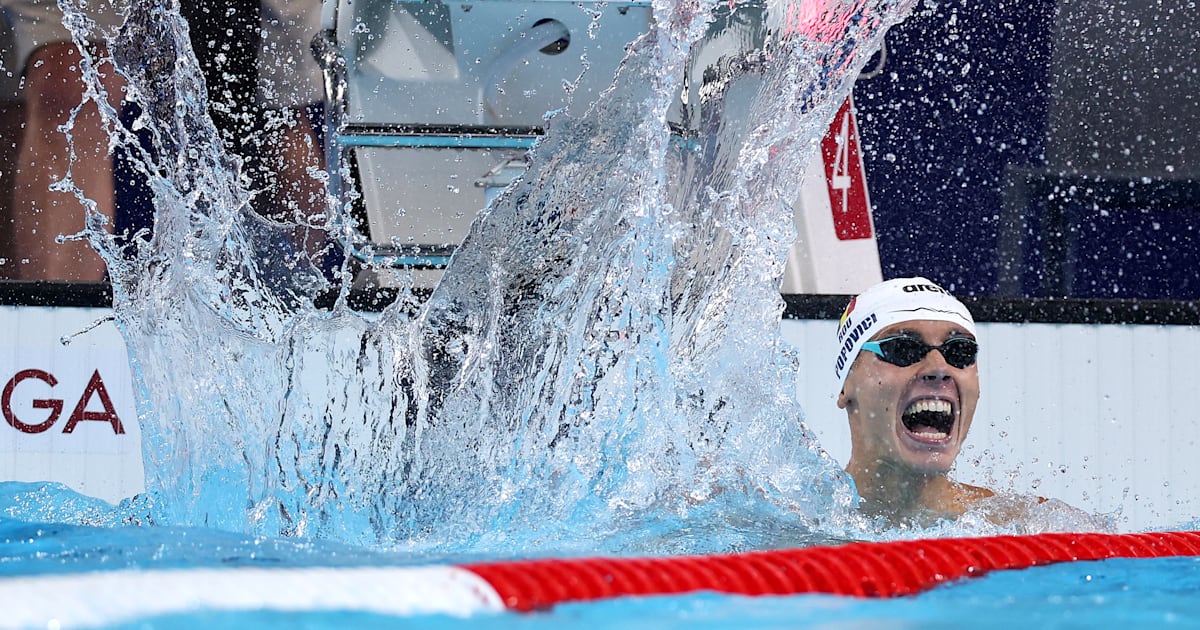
(892, 302)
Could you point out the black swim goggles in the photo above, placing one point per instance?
(904, 351)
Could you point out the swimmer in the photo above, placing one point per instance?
(906, 365)
(909, 381)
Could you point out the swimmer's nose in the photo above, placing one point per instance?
(934, 366)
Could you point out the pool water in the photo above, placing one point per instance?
(49, 532)
(1117, 593)
(1106, 594)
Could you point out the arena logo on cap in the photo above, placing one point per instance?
(917, 288)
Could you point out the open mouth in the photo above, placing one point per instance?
(929, 420)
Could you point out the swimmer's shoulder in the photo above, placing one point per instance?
(973, 494)
(970, 494)
(952, 498)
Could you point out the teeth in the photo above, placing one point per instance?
(938, 406)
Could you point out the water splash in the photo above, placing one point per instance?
(600, 368)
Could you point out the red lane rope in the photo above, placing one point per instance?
(883, 569)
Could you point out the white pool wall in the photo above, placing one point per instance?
(93, 459)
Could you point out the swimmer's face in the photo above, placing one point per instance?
(915, 417)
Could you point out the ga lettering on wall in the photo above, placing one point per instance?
(95, 389)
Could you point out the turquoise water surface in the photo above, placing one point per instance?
(1118, 593)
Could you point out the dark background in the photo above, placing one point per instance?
(1038, 149)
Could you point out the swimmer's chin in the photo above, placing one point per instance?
(927, 454)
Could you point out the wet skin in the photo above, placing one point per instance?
(900, 467)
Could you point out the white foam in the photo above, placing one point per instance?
(109, 597)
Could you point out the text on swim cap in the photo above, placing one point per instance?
(854, 334)
(917, 288)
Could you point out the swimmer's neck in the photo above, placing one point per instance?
(899, 493)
